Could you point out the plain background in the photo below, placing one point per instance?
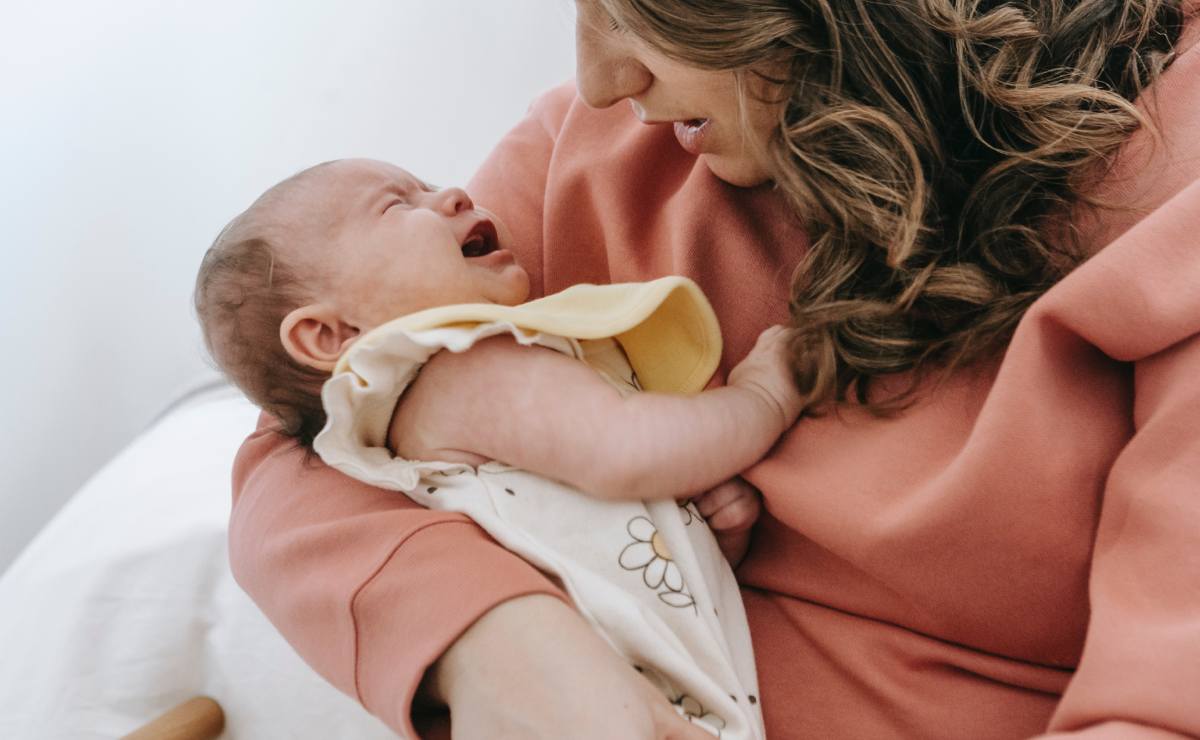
(132, 131)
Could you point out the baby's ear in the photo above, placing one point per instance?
(316, 336)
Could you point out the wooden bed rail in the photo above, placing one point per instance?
(200, 718)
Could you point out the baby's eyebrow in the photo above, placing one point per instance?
(384, 196)
(398, 189)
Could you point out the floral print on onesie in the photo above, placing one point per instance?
(648, 576)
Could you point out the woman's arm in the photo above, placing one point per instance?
(533, 669)
(547, 413)
(369, 588)
(1140, 669)
(1140, 666)
(372, 590)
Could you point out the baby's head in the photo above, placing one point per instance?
(329, 254)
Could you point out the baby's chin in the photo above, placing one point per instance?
(518, 286)
(504, 285)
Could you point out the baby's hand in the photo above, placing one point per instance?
(731, 510)
(766, 371)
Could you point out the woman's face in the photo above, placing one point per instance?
(702, 105)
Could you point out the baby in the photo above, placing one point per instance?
(324, 299)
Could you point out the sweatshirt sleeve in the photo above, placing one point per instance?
(369, 588)
(1140, 668)
(1140, 671)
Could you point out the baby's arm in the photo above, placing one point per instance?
(547, 413)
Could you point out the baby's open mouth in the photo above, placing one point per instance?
(481, 240)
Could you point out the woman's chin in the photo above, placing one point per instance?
(741, 172)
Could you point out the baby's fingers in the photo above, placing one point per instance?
(771, 337)
(772, 332)
(771, 347)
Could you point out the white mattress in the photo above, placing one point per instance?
(124, 606)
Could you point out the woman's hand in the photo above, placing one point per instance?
(731, 509)
(767, 371)
(532, 668)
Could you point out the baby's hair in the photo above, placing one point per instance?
(245, 288)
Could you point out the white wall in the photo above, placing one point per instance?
(131, 131)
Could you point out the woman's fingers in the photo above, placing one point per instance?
(710, 502)
(730, 507)
(734, 514)
(681, 729)
(670, 725)
(738, 515)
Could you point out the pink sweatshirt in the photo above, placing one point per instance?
(1019, 554)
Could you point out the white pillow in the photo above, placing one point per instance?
(124, 606)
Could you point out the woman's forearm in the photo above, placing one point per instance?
(495, 646)
(366, 585)
(533, 668)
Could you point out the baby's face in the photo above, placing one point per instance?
(393, 245)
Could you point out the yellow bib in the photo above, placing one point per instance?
(666, 327)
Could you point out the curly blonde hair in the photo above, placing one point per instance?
(933, 150)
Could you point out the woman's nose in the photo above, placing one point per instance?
(605, 72)
(453, 201)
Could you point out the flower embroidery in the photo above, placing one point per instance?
(649, 554)
(695, 713)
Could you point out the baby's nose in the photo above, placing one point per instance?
(453, 201)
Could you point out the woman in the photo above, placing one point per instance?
(987, 526)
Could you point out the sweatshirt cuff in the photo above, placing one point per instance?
(433, 587)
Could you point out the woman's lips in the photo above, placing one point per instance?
(691, 134)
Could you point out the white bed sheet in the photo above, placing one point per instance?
(124, 604)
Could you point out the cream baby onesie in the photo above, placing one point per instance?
(647, 575)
